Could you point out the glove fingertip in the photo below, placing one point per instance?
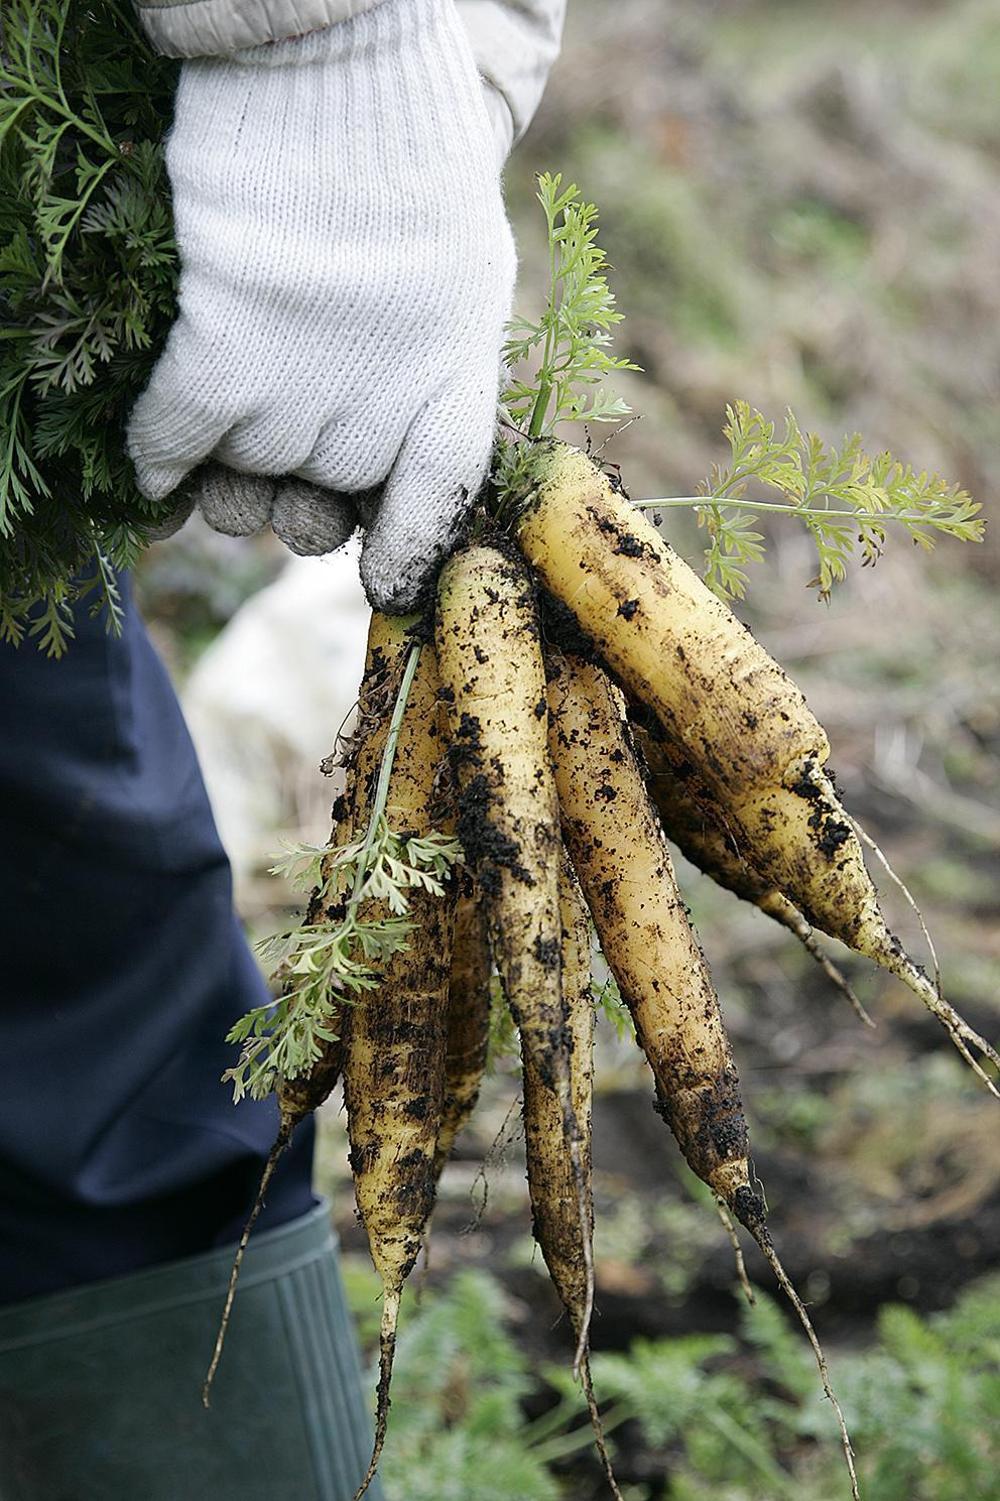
(237, 505)
(311, 521)
(397, 573)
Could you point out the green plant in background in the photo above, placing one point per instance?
(88, 270)
(459, 1431)
(663, 239)
(720, 1419)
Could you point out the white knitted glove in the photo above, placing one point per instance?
(347, 269)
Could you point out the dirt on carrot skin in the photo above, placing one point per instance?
(468, 1025)
(491, 665)
(394, 1091)
(690, 660)
(396, 1037)
(625, 870)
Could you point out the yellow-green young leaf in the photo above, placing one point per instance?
(847, 500)
(572, 334)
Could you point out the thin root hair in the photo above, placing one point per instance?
(281, 1141)
(741, 1266)
(785, 1283)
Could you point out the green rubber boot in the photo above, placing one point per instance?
(100, 1387)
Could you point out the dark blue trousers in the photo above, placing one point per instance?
(121, 969)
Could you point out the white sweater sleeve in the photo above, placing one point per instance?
(515, 43)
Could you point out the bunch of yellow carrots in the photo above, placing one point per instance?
(580, 698)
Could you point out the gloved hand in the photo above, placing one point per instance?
(347, 270)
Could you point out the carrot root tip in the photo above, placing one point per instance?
(387, 1352)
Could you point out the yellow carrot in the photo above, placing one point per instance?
(396, 1036)
(742, 724)
(620, 856)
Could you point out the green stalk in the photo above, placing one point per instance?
(385, 772)
(55, 260)
(60, 107)
(538, 412)
(537, 424)
(780, 508)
